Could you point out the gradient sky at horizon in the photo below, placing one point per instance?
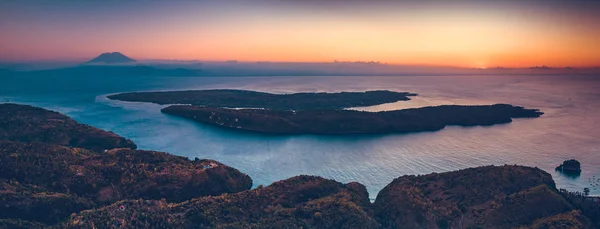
(465, 33)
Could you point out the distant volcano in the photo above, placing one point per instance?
(111, 58)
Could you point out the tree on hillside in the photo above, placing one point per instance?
(586, 191)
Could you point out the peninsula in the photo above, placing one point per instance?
(353, 122)
(321, 113)
(23, 123)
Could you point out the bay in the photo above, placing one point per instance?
(569, 128)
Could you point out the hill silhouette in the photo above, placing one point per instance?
(111, 58)
(23, 123)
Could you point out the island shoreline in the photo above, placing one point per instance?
(320, 113)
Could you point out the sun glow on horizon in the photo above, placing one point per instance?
(474, 36)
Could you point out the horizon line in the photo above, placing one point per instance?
(234, 61)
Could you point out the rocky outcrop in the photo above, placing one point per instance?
(570, 167)
(23, 123)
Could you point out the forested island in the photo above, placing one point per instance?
(224, 98)
(321, 113)
(52, 183)
(352, 122)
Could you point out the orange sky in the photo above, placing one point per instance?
(468, 35)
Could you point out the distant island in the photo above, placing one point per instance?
(111, 58)
(61, 183)
(321, 113)
(253, 99)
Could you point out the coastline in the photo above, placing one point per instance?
(321, 113)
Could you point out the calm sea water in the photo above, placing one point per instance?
(569, 129)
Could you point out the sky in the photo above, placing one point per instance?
(462, 33)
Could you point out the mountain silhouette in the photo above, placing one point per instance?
(111, 58)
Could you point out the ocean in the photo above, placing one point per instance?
(569, 129)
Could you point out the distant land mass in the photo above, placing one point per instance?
(238, 68)
(253, 99)
(64, 184)
(113, 64)
(321, 113)
(111, 71)
(231, 68)
(111, 58)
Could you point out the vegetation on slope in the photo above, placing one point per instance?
(118, 174)
(53, 184)
(298, 202)
(34, 203)
(485, 197)
(23, 123)
(45, 177)
(589, 206)
(570, 220)
(523, 208)
(20, 224)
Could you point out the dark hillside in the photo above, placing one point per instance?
(23, 123)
